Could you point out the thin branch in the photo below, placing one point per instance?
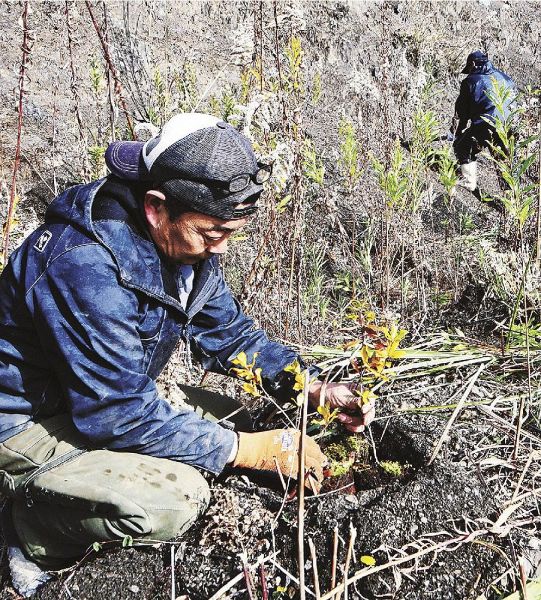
(111, 67)
(26, 48)
(220, 593)
(455, 414)
(313, 555)
(352, 536)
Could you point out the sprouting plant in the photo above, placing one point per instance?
(294, 54)
(97, 81)
(373, 355)
(295, 369)
(312, 165)
(247, 80)
(186, 84)
(447, 171)
(512, 155)
(158, 111)
(246, 371)
(349, 152)
(96, 158)
(228, 105)
(315, 295)
(426, 130)
(328, 416)
(394, 181)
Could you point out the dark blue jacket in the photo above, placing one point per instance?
(473, 103)
(87, 323)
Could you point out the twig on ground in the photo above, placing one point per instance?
(239, 577)
(292, 577)
(522, 475)
(427, 546)
(455, 414)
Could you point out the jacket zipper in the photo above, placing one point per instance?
(187, 348)
(47, 467)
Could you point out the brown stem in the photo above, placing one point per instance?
(73, 77)
(111, 67)
(352, 536)
(263, 582)
(26, 48)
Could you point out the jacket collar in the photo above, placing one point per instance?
(121, 230)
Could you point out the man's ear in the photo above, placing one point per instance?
(155, 210)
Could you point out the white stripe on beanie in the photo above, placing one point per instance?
(177, 128)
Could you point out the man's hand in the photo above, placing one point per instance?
(277, 450)
(342, 397)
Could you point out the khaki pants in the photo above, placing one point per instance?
(65, 497)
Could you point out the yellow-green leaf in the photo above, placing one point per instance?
(368, 560)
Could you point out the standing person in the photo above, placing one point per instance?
(475, 114)
(92, 306)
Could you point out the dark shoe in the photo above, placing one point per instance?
(27, 577)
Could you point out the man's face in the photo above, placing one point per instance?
(192, 237)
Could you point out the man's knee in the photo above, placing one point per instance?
(173, 510)
(122, 495)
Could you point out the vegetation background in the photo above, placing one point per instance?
(361, 223)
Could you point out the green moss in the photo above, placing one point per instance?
(391, 467)
(340, 468)
(344, 452)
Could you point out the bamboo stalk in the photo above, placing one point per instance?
(300, 485)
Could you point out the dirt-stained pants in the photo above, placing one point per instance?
(66, 497)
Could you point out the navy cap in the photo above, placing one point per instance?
(478, 57)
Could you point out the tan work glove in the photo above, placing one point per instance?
(277, 451)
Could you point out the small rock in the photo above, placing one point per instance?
(134, 589)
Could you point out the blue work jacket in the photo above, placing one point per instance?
(87, 325)
(473, 103)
